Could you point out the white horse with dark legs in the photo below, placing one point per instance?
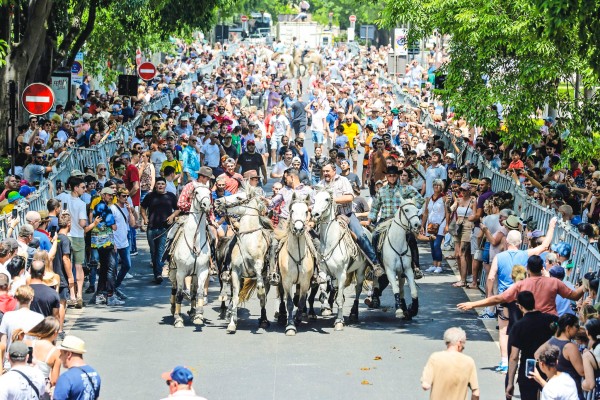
(296, 265)
(248, 254)
(341, 257)
(191, 257)
(397, 260)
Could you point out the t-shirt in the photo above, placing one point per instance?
(506, 261)
(251, 161)
(351, 131)
(528, 334)
(76, 208)
(131, 176)
(481, 200)
(212, 155)
(159, 207)
(318, 120)
(157, 158)
(280, 125)
(102, 234)
(280, 167)
(544, 291)
(34, 173)
(120, 236)
(14, 386)
(22, 318)
(298, 112)
(63, 249)
(78, 383)
(45, 299)
(450, 374)
(561, 387)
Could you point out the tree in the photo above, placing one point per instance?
(42, 35)
(499, 54)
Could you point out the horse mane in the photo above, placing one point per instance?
(265, 223)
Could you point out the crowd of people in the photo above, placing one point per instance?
(245, 123)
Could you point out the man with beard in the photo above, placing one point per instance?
(251, 160)
(35, 171)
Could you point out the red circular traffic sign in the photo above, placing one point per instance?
(244, 18)
(147, 71)
(37, 99)
(352, 18)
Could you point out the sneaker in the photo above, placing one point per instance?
(469, 278)
(133, 253)
(100, 300)
(79, 304)
(437, 270)
(128, 276)
(90, 290)
(120, 295)
(113, 301)
(71, 303)
(430, 269)
(486, 315)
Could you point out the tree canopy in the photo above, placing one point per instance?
(514, 53)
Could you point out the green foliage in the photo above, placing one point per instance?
(500, 54)
(3, 52)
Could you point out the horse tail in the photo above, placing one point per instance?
(247, 290)
(351, 278)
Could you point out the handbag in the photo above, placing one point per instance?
(433, 228)
(459, 229)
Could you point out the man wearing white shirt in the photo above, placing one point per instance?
(125, 217)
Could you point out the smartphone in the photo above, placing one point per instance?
(529, 366)
(64, 207)
(14, 213)
(30, 355)
(52, 231)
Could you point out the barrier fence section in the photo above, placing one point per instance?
(584, 256)
(81, 157)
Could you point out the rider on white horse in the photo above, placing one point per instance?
(385, 205)
(343, 196)
(292, 186)
(184, 204)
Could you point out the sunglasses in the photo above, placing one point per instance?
(123, 195)
(101, 169)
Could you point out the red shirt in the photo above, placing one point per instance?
(544, 291)
(131, 176)
(232, 182)
(516, 165)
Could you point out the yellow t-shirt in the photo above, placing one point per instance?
(175, 164)
(351, 131)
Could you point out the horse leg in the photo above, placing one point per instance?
(193, 296)
(263, 289)
(311, 302)
(173, 297)
(360, 278)
(290, 329)
(327, 305)
(300, 312)
(339, 301)
(282, 314)
(235, 285)
(179, 299)
(413, 309)
(199, 317)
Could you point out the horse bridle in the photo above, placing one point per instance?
(408, 219)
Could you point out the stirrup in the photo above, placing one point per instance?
(226, 276)
(378, 271)
(274, 279)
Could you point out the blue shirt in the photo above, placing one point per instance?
(191, 161)
(506, 261)
(45, 243)
(74, 384)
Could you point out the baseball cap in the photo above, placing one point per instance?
(180, 374)
(563, 249)
(451, 155)
(13, 196)
(18, 351)
(296, 159)
(126, 155)
(249, 142)
(557, 272)
(107, 190)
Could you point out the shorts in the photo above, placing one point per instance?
(317, 137)
(299, 127)
(476, 250)
(353, 153)
(63, 293)
(486, 253)
(78, 250)
(275, 142)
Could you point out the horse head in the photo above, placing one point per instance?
(323, 204)
(232, 204)
(298, 215)
(408, 216)
(201, 199)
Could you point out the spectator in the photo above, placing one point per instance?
(559, 385)
(180, 382)
(449, 374)
(23, 381)
(61, 264)
(45, 300)
(73, 384)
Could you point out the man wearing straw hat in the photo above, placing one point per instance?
(80, 381)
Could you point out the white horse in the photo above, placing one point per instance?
(397, 260)
(288, 61)
(249, 252)
(191, 257)
(296, 264)
(341, 257)
(263, 54)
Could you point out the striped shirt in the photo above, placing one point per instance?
(340, 187)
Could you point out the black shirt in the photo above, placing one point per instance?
(528, 334)
(45, 299)
(159, 208)
(231, 152)
(251, 161)
(298, 112)
(63, 248)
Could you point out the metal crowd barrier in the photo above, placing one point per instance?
(585, 257)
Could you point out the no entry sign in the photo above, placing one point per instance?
(352, 18)
(147, 71)
(37, 99)
(244, 18)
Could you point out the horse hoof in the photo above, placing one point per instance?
(326, 312)
(222, 297)
(339, 326)
(198, 320)
(399, 313)
(304, 317)
(179, 323)
(231, 328)
(290, 330)
(353, 317)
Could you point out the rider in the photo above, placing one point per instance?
(284, 198)
(384, 207)
(184, 204)
(343, 195)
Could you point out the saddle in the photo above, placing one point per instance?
(382, 229)
(349, 240)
